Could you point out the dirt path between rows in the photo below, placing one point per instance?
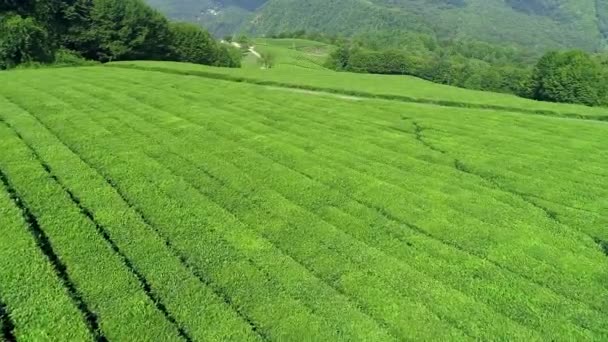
(251, 49)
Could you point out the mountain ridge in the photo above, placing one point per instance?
(538, 24)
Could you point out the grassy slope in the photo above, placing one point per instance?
(411, 88)
(299, 63)
(253, 212)
(294, 52)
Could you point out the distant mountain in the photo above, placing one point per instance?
(540, 24)
(219, 16)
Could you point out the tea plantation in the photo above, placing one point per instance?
(156, 201)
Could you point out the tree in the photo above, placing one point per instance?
(101, 30)
(515, 80)
(22, 40)
(125, 29)
(338, 59)
(228, 56)
(267, 59)
(441, 70)
(190, 43)
(571, 76)
(378, 62)
(243, 40)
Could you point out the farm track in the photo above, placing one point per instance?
(241, 232)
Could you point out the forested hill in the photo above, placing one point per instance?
(538, 24)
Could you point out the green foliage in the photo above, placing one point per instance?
(119, 29)
(243, 40)
(328, 38)
(378, 62)
(463, 62)
(22, 40)
(451, 63)
(339, 58)
(227, 56)
(537, 25)
(64, 58)
(346, 17)
(192, 44)
(573, 77)
(100, 275)
(267, 59)
(101, 30)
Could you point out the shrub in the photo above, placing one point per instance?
(190, 43)
(228, 56)
(267, 59)
(64, 57)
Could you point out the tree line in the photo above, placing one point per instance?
(569, 76)
(559, 76)
(56, 31)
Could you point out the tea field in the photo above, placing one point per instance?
(150, 201)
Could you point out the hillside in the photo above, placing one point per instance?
(180, 202)
(297, 69)
(539, 24)
(289, 53)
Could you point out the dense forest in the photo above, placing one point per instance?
(538, 25)
(70, 31)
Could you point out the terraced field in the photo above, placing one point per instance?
(146, 205)
(298, 53)
(398, 88)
